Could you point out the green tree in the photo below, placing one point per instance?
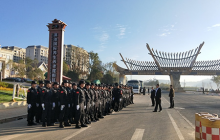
(73, 75)
(216, 80)
(20, 68)
(95, 74)
(107, 78)
(65, 68)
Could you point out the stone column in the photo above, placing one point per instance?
(122, 79)
(175, 81)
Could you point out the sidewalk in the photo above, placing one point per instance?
(11, 114)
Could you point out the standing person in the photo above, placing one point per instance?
(132, 95)
(88, 103)
(31, 101)
(46, 102)
(38, 104)
(55, 100)
(74, 85)
(152, 96)
(92, 108)
(96, 100)
(171, 95)
(63, 117)
(158, 98)
(144, 90)
(148, 90)
(117, 95)
(80, 105)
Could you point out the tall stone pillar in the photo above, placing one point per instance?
(122, 79)
(55, 58)
(175, 81)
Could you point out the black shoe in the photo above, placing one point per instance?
(61, 125)
(78, 127)
(67, 124)
(51, 124)
(154, 111)
(170, 107)
(44, 125)
(29, 124)
(94, 121)
(160, 110)
(97, 119)
(83, 125)
(88, 122)
(101, 117)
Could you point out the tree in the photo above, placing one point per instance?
(151, 82)
(73, 75)
(20, 68)
(65, 68)
(216, 80)
(107, 78)
(95, 74)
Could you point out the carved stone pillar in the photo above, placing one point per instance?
(175, 81)
(122, 79)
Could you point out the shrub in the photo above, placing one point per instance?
(6, 85)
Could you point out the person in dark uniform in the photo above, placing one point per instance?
(171, 95)
(74, 85)
(132, 95)
(38, 104)
(100, 113)
(152, 96)
(96, 100)
(88, 103)
(46, 102)
(69, 102)
(92, 102)
(55, 100)
(117, 95)
(158, 99)
(63, 105)
(31, 101)
(80, 105)
(144, 90)
(148, 91)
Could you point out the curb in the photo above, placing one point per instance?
(8, 105)
(12, 119)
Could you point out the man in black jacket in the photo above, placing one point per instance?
(158, 99)
(171, 95)
(31, 101)
(152, 96)
(38, 104)
(80, 105)
(46, 102)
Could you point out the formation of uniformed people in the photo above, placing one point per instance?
(72, 103)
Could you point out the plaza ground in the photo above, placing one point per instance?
(137, 121)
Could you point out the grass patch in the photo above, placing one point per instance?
(6, 96)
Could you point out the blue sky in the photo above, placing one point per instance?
(117, 26)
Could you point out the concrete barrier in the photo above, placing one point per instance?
(12, 104)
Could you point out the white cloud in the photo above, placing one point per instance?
(104, 37)
(122, 30)
(216, 25)
(213, 26)
(167, 30)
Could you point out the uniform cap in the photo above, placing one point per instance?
(81, 82)
(33, 82)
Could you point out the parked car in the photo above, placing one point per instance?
(28, 80)
(12, 79)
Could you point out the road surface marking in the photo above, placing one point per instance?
(186, 120)
(74, 134)
(176, 127)
(138, 134)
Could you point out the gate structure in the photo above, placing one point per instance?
(172, 64)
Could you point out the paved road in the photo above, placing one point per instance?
(137, 121)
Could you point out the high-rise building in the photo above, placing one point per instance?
(5, 56)
(19, 53)
(37, 52)
(77, 58)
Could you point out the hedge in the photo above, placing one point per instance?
(6, 85)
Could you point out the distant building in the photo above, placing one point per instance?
(5, 56)
(18, 53)
(77, 58)
(39, 52)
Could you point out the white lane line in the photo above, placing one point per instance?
(74, 134)
(138, 134)
(176, 127)
(186, 120)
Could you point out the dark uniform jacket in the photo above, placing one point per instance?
(80, 96)
(39, 93)
(32, 96)
(152, 93)
(63, 96)
(171, 94)
(117, 93)
(46, 96)
(158, 93)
